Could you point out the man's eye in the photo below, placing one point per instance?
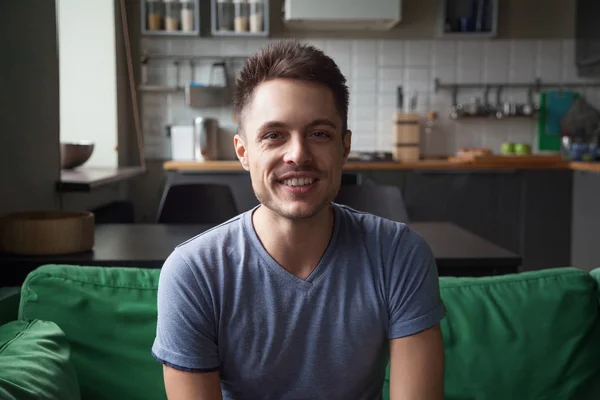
(272, 135)
(321, 134)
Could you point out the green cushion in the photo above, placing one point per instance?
(35, 360)
(534, 335)
(9, 303)
(109, 317)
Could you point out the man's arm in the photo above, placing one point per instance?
(181, 385)
(417, 366)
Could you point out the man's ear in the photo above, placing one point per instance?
(346, 142)
(240, 151)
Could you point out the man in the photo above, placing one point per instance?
(299, 298)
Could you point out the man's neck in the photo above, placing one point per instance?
(297, 245)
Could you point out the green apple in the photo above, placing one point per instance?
(523, 149)
(508, 148)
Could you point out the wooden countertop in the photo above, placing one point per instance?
(585, 166)
(233, 166)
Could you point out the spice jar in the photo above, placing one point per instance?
(172, 15)
(154, 15)
(256, 15)
(241, 15)
(225, 15)
(187, 15)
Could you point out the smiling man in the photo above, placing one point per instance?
(299, 298)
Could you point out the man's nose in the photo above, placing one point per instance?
(297, 152)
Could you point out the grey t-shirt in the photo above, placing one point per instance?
(225, 304)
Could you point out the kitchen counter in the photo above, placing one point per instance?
(85, 179)
(439, 164)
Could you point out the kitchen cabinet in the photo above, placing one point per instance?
(461, 19)
(527, 212)
(586, 220)
(546, 219)
(587, 33)
(487, 203)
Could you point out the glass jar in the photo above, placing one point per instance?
(257, 13)
(224, 15)
(187, 15)
(242, 12)
(172, 15)
(154, 14)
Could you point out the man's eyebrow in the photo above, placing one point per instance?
(271, 125)
(323, 121)
(312, 124)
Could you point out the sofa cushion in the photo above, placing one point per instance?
(533, 335)
(109, 317)
(9, 303)
(35, 358)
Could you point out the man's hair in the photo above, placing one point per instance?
(292, 60)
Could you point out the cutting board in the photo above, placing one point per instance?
(553, 106)
(512, 160)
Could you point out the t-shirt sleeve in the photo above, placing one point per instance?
(186, 329)
(414, 301)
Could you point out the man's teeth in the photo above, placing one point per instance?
(298, 181)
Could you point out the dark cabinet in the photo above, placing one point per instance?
(546, 219)
(587, 33)
(586, 220)
(487, 203)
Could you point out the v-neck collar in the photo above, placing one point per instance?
(322, 266)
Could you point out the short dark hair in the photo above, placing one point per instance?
(293, 60)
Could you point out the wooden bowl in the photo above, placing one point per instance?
(47, 232)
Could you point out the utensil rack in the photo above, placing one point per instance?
(177, 61)
(535, 86)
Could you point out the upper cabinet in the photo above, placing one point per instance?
(587, 32)
(342, 14)
(467, 18)
(170, 17)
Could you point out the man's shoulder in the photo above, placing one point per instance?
(221, 235)
(372, 224)
(375, 229)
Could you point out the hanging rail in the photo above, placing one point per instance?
(535, 86)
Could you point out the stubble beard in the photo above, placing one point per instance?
(277, 208)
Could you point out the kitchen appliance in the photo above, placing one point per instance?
(206, 139)
(182, 142)
(342, 14)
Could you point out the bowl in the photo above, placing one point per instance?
(75, 154)
(47, 232)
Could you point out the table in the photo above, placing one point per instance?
(457, 251)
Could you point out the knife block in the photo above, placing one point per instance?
(407, 137)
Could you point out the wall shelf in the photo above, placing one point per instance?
(223, 12)
(467, 19)
(157, 16)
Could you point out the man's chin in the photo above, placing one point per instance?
(297, 211)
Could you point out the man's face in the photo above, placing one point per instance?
(292, 146)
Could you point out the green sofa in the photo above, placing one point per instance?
(86, 332)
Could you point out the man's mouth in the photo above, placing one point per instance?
(298, 182)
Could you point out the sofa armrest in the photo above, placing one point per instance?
(9, 304)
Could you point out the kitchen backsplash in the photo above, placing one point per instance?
(374, 69)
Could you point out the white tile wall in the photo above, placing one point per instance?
(374, 69)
